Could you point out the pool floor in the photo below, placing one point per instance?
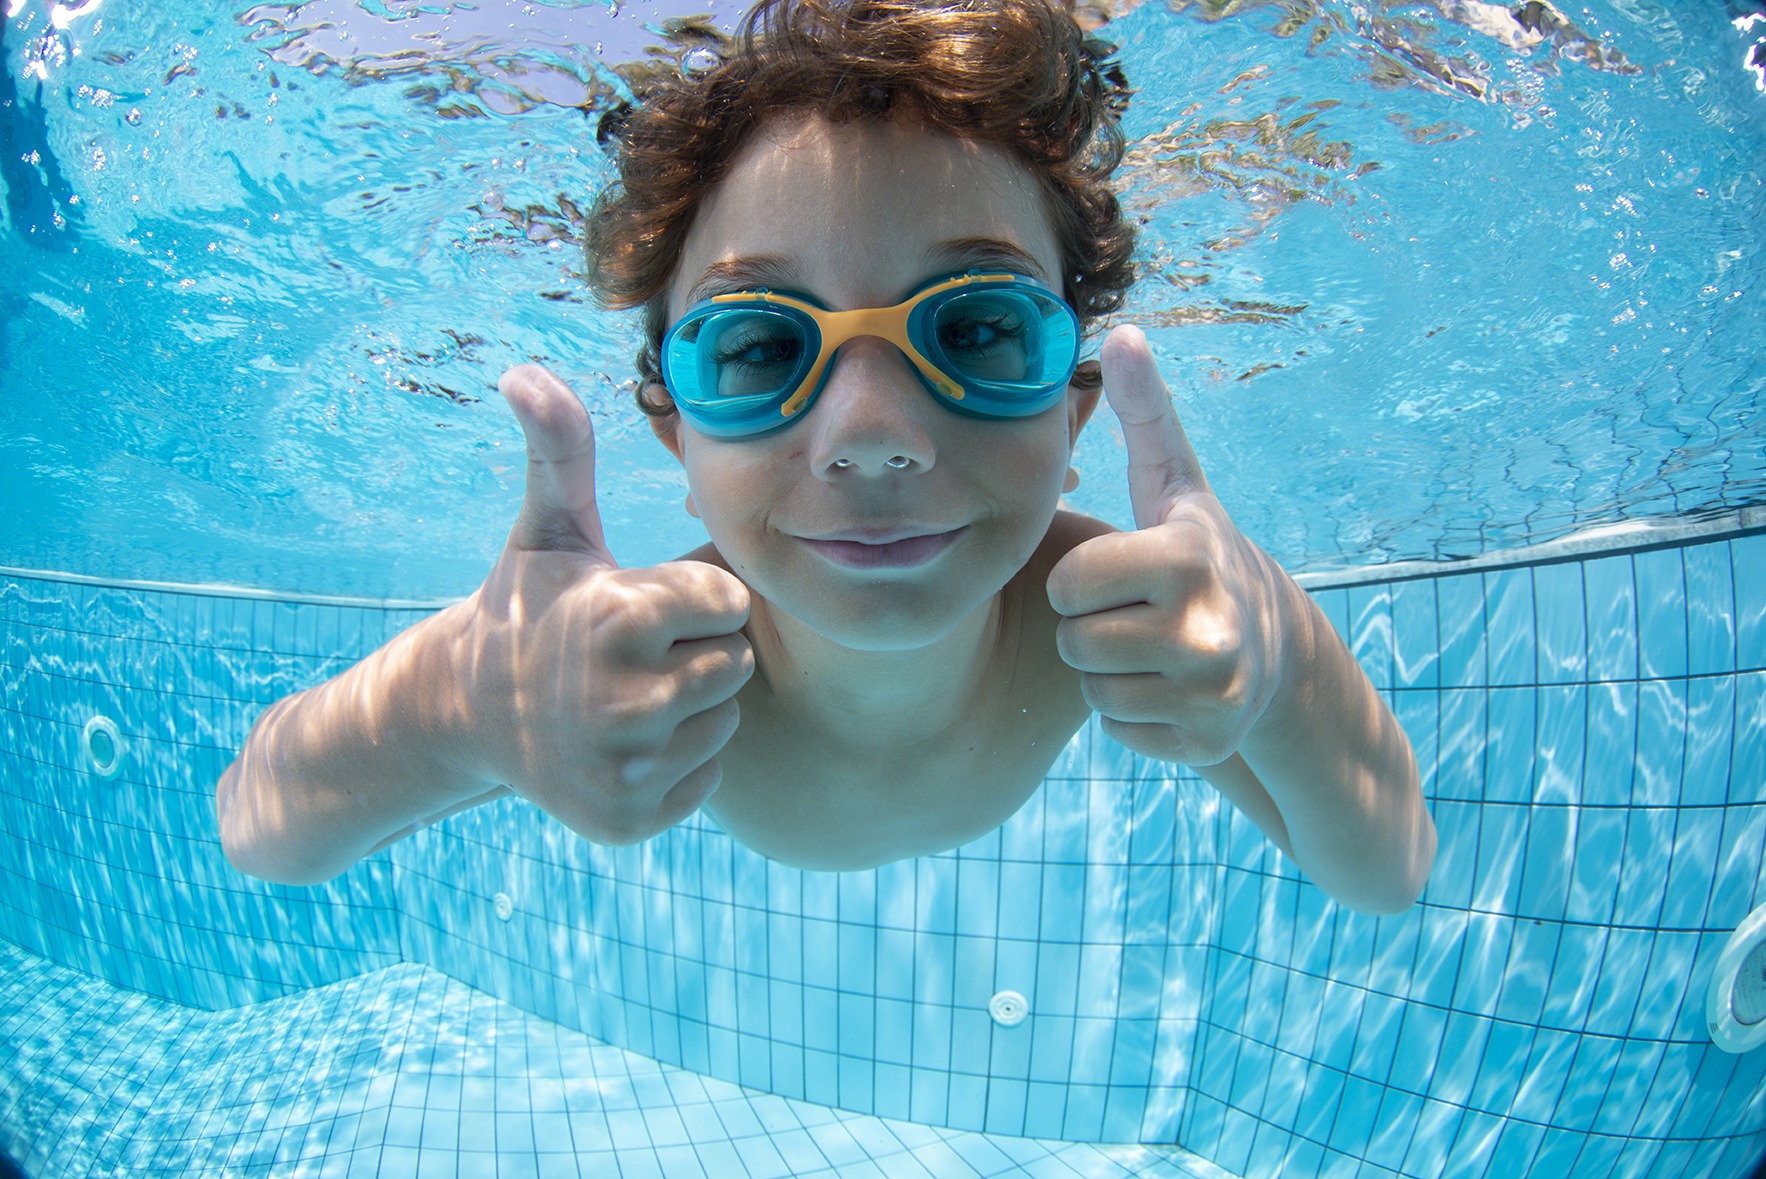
(408, 1072)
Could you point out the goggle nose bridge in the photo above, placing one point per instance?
(837, 328)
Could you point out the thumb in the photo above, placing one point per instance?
(558, 511)
(1161, 464)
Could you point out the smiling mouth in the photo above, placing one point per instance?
(907, 553)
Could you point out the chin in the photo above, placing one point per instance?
(902, 627)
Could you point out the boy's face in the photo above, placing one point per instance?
(863, 215)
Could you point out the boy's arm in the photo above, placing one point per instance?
(1194, 646)
(342, 769)
(600, 694)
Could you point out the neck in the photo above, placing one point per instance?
(861, 698)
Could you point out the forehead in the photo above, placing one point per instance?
(861, 213)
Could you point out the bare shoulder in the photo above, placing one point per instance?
(707, 554)
(1030, 587)
(1066, 532)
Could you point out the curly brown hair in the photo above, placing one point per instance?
(1018, 75)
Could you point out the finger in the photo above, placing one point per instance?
(709, 671)
(558, 511)
(1138, 699)
(1113, 642)
(713, 601)
(1122, 568)
(690, 793)
(641, 613)
(1165, 742)
(693, 743)
(1161, 463)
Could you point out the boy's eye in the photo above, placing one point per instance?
(753, 354)
(987, 342)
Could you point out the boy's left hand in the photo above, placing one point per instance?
(1179, 629)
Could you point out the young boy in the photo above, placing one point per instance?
(866, 244)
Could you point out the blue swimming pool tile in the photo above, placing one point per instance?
(1421, 1045)
(1272, 1148)
(1748, 768)
(1600, 851)
(1624, 1105)
(974, 972)
(1376, 1037)
(1482, 962)
(1749, 556)
(1612, 744)
(1710, 730)
(1532, 957)
(1288, 1075)
(1661, 743)
(1662, 613)
(1370, 637)
(1460, 606)
(1396, 946)
(1550, 840)
(1249, 1087)
(1561, 624)
(1503, 1065)
(1203, 1120)
(1621, 973)
(1671, 1001)
(1263, 1003)
(1508, 613)
(1457, 1070)
(977, 897)
(1540, 1087)
(1502, 834)
(1737, 1099)
(1459, 759)
(1643, 880)
(1510, 744)
(1710, 608)
(898, 903)
(1416, 644)
(1740, 854)
(1612, 618)
(1020, 900)
(1698, 833)
(1740, 1157)
(1356, 1114)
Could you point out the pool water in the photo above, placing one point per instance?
(1464, 328)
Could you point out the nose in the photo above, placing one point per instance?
(871, 417)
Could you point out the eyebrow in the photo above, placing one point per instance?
(983, 253)
(954, 255)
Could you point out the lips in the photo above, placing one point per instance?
(883, 550)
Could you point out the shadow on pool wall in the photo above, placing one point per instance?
(1589, 730)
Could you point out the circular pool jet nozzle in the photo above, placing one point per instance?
(102, 745)
(1735, 1006)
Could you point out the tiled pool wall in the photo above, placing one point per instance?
(1592, 733)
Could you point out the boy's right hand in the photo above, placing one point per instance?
(600, 694)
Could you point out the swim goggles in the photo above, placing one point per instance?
(985, 345)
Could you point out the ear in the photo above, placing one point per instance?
(1082, 399)
(666, 427)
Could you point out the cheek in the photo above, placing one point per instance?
(733, 489)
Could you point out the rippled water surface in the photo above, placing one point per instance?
(1429, 279)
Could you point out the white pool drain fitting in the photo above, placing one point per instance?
(1008, 1008)
(1735, 1006)
(504, 907)
(101, 744)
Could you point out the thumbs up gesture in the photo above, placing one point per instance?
(602, 695)
(1178, 628)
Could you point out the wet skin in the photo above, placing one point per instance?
(894, 629)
